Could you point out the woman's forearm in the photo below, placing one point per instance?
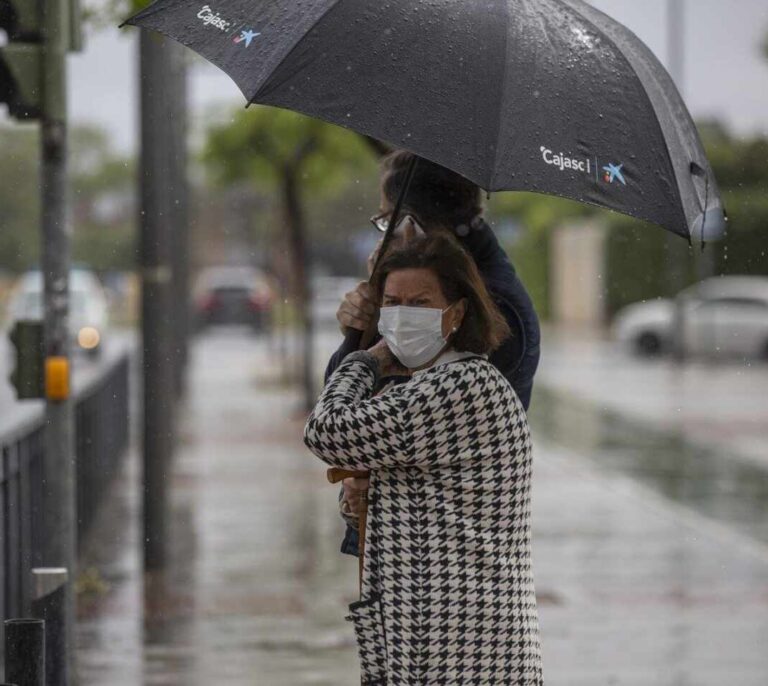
(352, 429)
(342, 426)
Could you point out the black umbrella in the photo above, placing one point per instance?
(550, 96)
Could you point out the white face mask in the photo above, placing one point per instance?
(413, 334)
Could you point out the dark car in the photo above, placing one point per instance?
(233, 295)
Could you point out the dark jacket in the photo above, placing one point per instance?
(518, 357)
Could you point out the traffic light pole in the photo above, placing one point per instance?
(59, 488)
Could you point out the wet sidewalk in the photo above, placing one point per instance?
(632, 589)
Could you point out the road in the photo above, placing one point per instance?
(721, 405)
(636, 582)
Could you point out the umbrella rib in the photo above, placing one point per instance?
(292, 49)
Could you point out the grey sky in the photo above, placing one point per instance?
(726, 75)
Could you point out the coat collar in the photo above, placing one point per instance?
(447, 357)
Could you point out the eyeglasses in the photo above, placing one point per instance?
(381, 222)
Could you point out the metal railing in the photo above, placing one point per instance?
(101, 438)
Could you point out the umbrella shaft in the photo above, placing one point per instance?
(389, 233)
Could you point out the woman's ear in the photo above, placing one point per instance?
(457, 314)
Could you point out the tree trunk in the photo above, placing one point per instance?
(294, 217)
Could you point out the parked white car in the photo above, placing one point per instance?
(88, 311)
(723, 316)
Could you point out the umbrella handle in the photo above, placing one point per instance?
(335, 474)
(352, 339)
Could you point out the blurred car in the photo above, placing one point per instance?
(88, 309)
(232, 295)
(327, 294)
(723, 316)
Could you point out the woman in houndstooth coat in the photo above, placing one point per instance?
(447, 594)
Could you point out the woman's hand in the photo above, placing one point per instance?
(353, 489)
(358, 309)
(389, 365)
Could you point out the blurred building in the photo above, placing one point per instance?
(577, 265)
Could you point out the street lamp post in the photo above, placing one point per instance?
(677, 253)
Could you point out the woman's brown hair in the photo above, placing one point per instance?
(437, 196)
(483, 328)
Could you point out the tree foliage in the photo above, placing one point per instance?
(259, 143)
(537, 215)
(98, 14)
(19, 197)
(333, 169)
(765, 46)
(101, 199)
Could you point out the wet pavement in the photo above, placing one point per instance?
(255, 583)
(650, 560)
(711, 480)
(715, 402)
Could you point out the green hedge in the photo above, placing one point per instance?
(745, 250)
(530, 255)
(530, 252)
(636, 252)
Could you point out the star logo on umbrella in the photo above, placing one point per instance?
(247, 35)
(614, 172)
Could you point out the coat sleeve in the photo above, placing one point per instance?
(405, 427)
(518, 357)
(338, 357)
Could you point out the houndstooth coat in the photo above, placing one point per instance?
(448, 595)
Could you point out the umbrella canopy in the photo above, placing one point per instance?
(550, 96)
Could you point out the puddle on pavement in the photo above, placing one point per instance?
(710, 481)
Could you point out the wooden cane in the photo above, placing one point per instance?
(334, 476)
(361, 339)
